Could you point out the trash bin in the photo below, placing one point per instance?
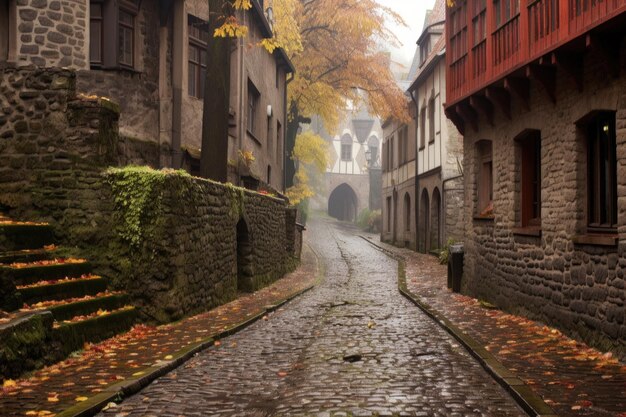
(455, 267)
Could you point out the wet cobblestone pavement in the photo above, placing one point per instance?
(352, 346)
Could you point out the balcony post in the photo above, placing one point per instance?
(491, 23)
(564, 12)
(524, 31)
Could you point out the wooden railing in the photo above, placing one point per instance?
(540, 27)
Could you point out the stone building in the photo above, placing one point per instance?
(348, 179)
(422, 160)
(539, 94)
(149, 56)
(398, 185)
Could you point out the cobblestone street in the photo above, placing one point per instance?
(352, 346)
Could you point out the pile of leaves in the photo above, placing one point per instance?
(57, 281)
(95, 314)
(53, 303)
(47, 262)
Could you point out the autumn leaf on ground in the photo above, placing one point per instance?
(9, 383)
(217, 343)
(81, 399)
(282, 374)
(53, 398)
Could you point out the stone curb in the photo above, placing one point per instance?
(527, 399)
(130, 386)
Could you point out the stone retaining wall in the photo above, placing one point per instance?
(177, 254)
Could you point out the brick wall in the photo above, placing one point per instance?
(580, 288)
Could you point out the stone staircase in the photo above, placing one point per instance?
(36, 282)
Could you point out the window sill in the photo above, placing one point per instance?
(253, 136)
(490, 218)
(596, 240)
(115, 68)
(533, 231)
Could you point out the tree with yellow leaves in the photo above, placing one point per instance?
(335, 49)
(311, 153)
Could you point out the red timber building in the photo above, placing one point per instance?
(538, 90)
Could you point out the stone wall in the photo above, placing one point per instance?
(174, 248)
(136, 90)
(453, 198)
(167, 238)
(579, 287)
(51, 33)
(51, 141)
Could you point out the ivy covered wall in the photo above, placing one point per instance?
(169, 239)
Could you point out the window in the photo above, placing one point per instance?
(4, 30)
(253, 107)
(269, 175)
(479, 21)
(392, 153)
(389, 214)
(112, 33)
(126, 38)
(270, 137)
(198, 34)
(485, 178)
(530, 150)
(431, 120)
(504, 10)
(372, 145)
(424, 50)
(601, 173)
(423, 128)
(346, 148)
(95, 30)
(407, 212)
(279, 142)
(277, 76)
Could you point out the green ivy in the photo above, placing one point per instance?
(138, 194)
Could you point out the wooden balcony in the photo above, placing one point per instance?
(487, 41)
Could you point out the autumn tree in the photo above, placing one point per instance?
(311, 153)
(223, 26)
(335, 47)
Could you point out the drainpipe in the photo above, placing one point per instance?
(177, 83)
(283, 156)
(417, 188)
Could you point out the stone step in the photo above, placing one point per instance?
(27, 255)
(24, 235)
(94, 329)
(34, 272)
(86, 307)
(63, 289)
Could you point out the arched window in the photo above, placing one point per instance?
(346, 147)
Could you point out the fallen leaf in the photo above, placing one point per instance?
(9, 383)
(53, 399)
(282, 374)
(169, 357)
(217, 343)
(81, 399)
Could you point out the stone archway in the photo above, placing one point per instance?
(245, 265)
(343, 203)
(424, 220)
(435, 220)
